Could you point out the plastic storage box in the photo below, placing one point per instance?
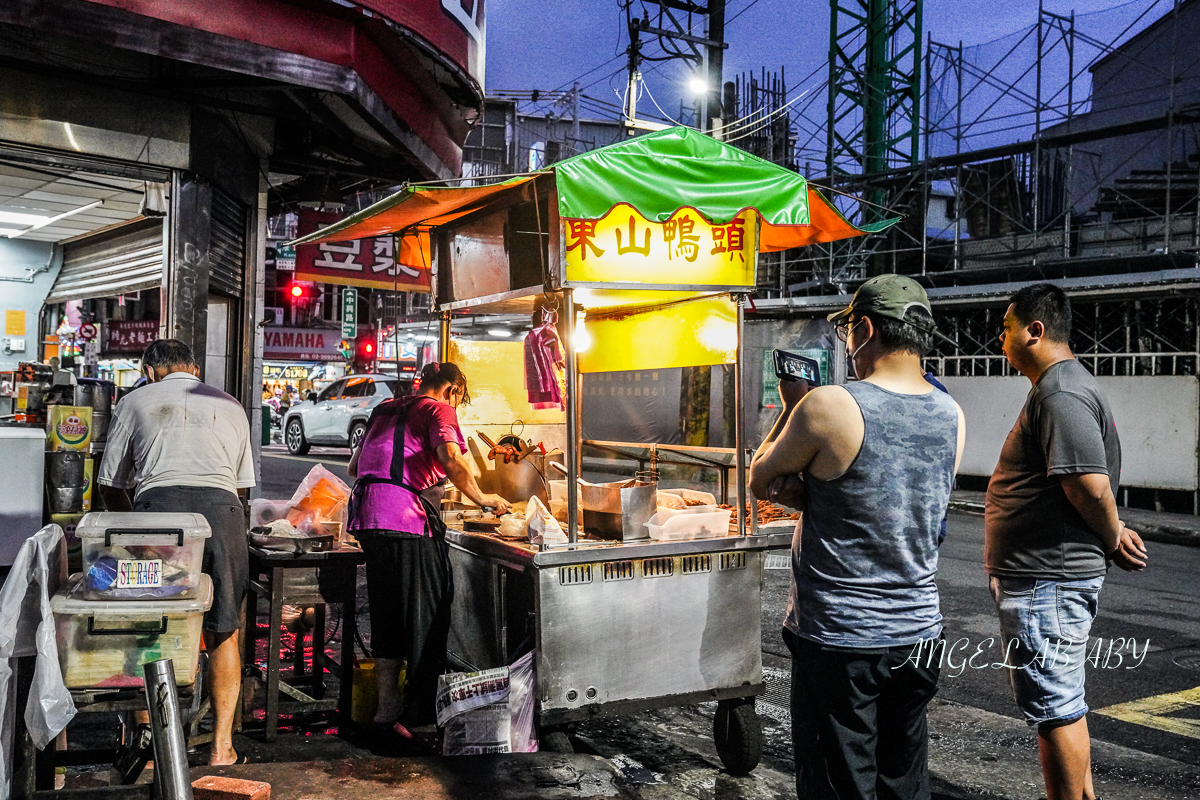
(667, 526)
(132, 556)
(104, 644)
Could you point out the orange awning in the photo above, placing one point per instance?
(413, 208)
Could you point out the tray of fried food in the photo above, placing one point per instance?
(769, 515)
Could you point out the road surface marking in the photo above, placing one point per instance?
(1154, 712)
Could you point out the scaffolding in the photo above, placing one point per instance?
(1025, 170)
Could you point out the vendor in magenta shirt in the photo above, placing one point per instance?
(412, 444)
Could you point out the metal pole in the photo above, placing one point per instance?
(575, 90)
(170, 747)
(573, 445)
(444, 337)
(739, 419)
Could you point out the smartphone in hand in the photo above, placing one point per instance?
(792, 367)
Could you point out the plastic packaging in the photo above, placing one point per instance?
(542, 526)
(678, 526)
(104, 644)
(27, 629)
(263, 512)
(513, 526)
(693, 497)
(141, 556)
(558, 501)
(490, 711)
(669, 500)
(319, 505)
(521, 682)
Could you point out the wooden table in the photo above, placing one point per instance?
(285, 578)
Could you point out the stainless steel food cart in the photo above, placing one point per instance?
(653, 244)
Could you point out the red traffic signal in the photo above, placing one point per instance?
(364, 352)
(297, 290)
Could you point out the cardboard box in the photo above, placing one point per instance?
(69, 428)
(89, 483)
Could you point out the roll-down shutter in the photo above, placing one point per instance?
(117, 260)
(227, 248)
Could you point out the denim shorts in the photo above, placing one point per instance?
(1044, 627)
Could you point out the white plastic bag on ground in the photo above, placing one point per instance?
(488, 712)
(521, 684)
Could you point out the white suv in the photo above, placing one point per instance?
(338, 415)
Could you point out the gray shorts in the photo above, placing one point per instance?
(226, 557)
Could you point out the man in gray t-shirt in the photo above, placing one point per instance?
(1050, 522)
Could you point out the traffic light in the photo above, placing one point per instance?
(298, 292)
(364, 353)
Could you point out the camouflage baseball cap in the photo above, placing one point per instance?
(888, 296)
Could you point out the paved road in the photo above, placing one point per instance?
(1146, 704)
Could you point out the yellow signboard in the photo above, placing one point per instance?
(14, 322)
(690, 333)
(625, 247)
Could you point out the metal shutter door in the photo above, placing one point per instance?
(117, 260)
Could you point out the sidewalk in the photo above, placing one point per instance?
(1154, 526)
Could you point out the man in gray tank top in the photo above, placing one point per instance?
(871, 464)
(1050, 521)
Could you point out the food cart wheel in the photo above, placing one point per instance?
(297, 445)
(737, 732)
(555, 740)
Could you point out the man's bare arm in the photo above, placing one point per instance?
(1091, 495)
(115, 499)
(797, 442)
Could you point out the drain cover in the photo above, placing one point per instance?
(1188, 659)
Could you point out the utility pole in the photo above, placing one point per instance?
(575, 112)
(716, 57)
(705, 53)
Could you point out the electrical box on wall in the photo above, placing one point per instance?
(14, 345)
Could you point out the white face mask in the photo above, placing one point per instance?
(851, 368)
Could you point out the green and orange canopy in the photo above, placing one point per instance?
(657, 174)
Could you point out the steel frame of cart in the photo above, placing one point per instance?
(646, 250)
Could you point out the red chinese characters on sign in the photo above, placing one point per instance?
(680, 228)
(583, 231)
(729, 239)
(370, 262)
(130, 337)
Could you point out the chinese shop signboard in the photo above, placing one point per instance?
(625, 247)
(130, 337)
(373, 263)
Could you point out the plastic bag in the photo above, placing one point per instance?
(264, 512)
(522, 735)
(668, 500)
(319, 505)
(543, 527)
(512, 526)
(27, 628)
(558, 501)
(490, 711)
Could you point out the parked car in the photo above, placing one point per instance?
(338, 415)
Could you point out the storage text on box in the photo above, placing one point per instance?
(139, 574)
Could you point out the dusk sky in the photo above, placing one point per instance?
(539, 44)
